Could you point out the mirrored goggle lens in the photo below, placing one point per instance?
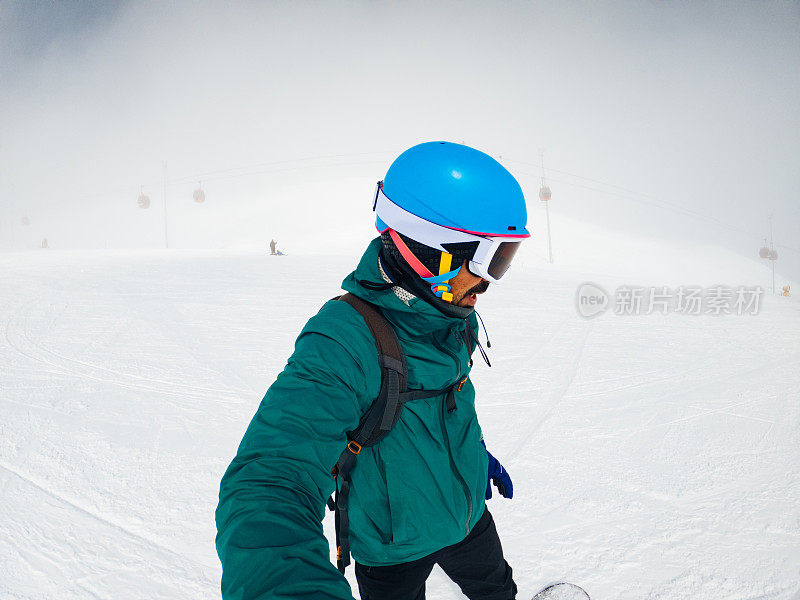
(502, 259)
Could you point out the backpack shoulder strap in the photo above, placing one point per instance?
(377, 421)
(384, 413)
(389, 353)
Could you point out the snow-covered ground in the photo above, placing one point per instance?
(654, 457)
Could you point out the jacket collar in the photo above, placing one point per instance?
(418, 318)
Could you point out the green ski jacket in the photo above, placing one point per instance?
(417, 491)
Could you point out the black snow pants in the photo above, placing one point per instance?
(476, 564)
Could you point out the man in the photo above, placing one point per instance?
(451, 219)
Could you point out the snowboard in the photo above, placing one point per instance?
(562, 591)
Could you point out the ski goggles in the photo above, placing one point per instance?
(492, 253)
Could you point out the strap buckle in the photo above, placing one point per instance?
(354, 447)
(461, 384)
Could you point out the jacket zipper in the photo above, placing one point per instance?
(461, 481)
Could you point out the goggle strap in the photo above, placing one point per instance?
(409, 257)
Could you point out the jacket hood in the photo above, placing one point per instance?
(417, 318)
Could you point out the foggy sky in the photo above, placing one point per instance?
(692, 106)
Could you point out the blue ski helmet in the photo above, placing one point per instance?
(457, 187)
(443, 203)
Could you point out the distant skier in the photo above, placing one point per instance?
(396, 440)
(272, 246)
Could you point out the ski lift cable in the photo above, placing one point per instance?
(664, 204)
(249, 166)
(230, 174)
(627, 193)
(649, 200)
(140, 187)
(653, 200)
(633, 197)
(185, 180)
(787, 248)
(604, 183)
(281, 170)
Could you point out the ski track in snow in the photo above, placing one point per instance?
(553, 397)
(86, 510)
(79, 368)
(654, 458)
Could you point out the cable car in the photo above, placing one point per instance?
(26, 221)
(544, 193)
(199, 195)
(143, 201)
(763, 252)
(773, 255)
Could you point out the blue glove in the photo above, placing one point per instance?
(499, 476)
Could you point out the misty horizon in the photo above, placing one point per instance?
(677, 122)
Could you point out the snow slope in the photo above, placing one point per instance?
(654, 457)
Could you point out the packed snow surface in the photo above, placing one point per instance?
(654, 457)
